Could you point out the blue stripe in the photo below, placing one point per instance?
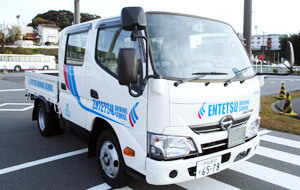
(201, 111)
(69, 80)
(134, 113)
(73, 89)
(132, 117)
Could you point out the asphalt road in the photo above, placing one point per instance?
(273, 84)
(30, 161)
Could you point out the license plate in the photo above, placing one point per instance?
(208, 167)
(236, 136)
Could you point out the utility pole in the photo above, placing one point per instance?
(263, 44)
(76, 12)
(18, 17)
(256, 28)
(247, 25)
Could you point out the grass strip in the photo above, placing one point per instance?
(276, 121)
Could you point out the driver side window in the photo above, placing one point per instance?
(109, 43)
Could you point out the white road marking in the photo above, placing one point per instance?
(125, 188)
(281, 141)
(100, 187)
(30, 106)
(16, 104)
(41, 161)
(206, 183)
(279, 155)
(263, 132)
(272, 82)
(12, 90)
(268, 174)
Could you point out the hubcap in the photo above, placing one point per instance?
(109, 159)
(41, 119)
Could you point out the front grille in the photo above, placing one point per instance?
(216, 146)
(217, 127)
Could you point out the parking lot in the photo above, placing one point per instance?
(30, 161)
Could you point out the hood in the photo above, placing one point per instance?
(193, 103)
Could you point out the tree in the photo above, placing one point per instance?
(84, 17)
(13, 34)
(295, 39)
(38, 20)
(2, 40)
(61, 18)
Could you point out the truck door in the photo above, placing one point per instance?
(72, 75)
(113, 103)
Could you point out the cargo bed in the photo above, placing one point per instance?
(42, 83)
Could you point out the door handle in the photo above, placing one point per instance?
(63, 86)
(94, 94)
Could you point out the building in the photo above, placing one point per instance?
(269, 42)
(47, 34)
(23, 43)
(26, 30)
(28, 36)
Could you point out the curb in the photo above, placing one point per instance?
(278, 109)
(278, 104)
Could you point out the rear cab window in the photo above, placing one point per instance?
(75, 49)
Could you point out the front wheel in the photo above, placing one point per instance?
(110, 160)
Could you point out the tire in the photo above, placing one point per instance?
(17, 68)
(47, 122)
(110, 160)
(45, 67)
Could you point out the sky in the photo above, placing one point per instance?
(270, 16)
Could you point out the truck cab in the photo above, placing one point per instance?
(164, 96)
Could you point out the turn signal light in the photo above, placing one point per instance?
(129, 152)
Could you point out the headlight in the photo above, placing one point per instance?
(253, 128)
(168, 147)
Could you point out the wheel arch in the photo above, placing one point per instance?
(37, 101)
(99, 125)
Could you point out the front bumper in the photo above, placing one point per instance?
(157, 172)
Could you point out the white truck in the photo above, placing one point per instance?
(163, 97)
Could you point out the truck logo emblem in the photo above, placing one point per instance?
(226, 123)
(201, 112)
(133, 116)
(67, 111)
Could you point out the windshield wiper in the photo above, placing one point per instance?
(197, 77)
(237, 73)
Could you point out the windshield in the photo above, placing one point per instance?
(182, 46)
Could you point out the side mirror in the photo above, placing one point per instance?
(127, 66)
(133, 18)
(290, 54)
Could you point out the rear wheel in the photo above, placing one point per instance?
(110, 160)
(45, 67)
(17, 68)
(47, 122)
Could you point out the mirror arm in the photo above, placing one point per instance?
(134, 36)
(139, 93)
